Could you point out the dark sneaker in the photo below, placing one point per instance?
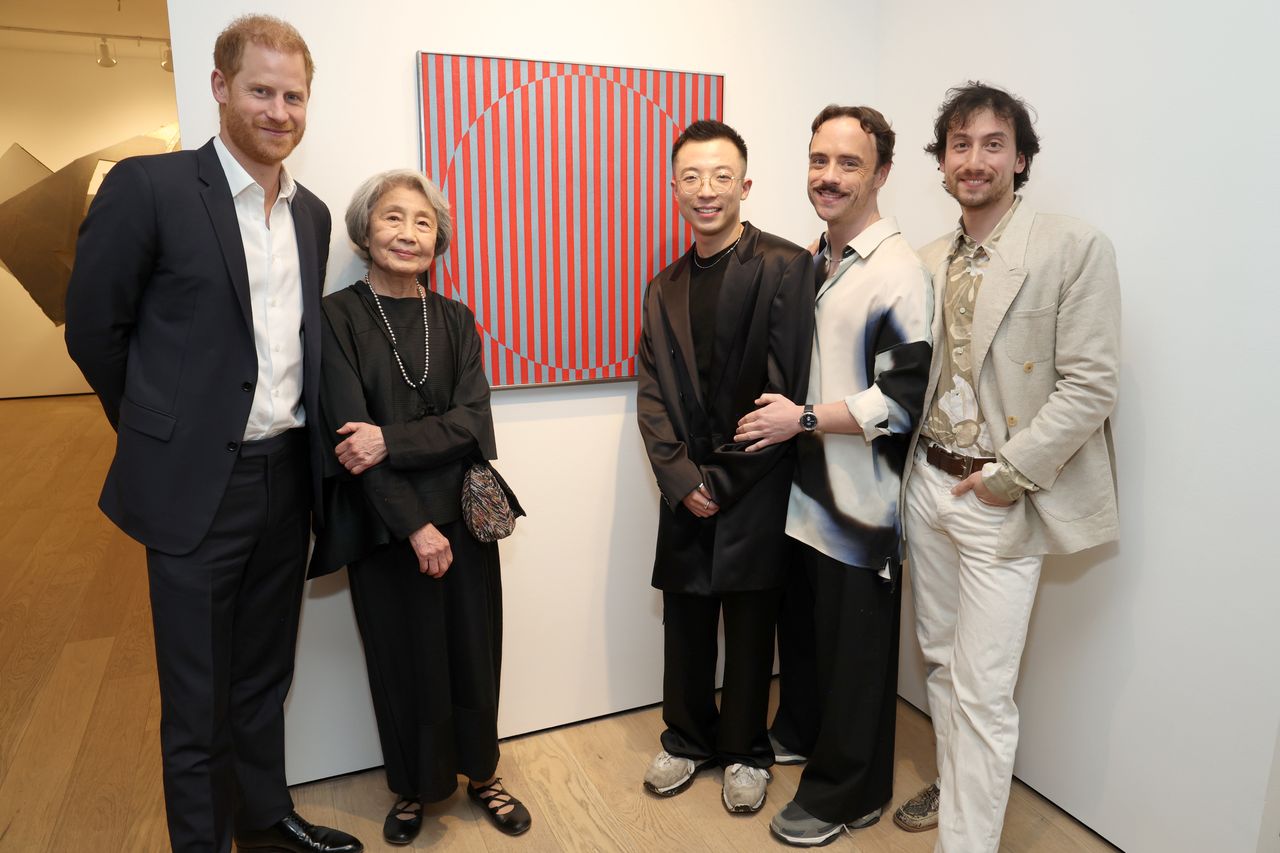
(783, 755)
(797, 827)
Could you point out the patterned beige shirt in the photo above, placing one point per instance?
(954, 417)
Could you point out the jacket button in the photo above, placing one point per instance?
(1028, 367)
(246, 386)
(1011, 421)
(232, 446)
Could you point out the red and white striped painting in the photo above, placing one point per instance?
(558, 179)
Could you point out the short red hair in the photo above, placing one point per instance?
(264, 31)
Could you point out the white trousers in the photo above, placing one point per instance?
(972, 610)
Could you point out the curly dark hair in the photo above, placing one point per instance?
(705, 130)
(963, 101)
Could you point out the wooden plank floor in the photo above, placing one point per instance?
(80, 714)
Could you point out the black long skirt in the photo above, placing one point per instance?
(434, 653)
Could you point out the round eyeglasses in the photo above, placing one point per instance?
(720, 183)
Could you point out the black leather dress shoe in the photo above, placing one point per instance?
(295, 835)
(493, 798)
(403, 821)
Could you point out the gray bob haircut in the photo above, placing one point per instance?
(366, 198)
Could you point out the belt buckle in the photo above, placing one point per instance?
(966, 466)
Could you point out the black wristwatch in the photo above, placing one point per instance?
(808, 420)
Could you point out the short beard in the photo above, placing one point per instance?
(243, 134)
(955, 194)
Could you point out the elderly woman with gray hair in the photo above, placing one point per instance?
(405, 397)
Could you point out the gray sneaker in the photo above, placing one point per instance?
(744, 787)
(669, 774)
(920, 812)
(797, 827)
(783, 755)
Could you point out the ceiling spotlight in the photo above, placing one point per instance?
(106, 56)
(166, 58)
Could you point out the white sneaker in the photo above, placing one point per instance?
(669, 774)
(744, 787)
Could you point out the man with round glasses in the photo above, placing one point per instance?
(728, 321)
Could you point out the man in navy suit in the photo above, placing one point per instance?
(193, 311)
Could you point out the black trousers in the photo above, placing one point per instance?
(226, 622)
(795, 724)
(737, 733)
(434, 653)
(855, 684)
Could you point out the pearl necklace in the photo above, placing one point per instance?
(426, 333)
(720, 256)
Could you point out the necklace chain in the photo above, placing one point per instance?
(426, 333)
(719, 256)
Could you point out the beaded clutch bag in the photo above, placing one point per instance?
(485, 508)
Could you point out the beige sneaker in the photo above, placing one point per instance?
(920, 812)
(669, 774)
(744, 788)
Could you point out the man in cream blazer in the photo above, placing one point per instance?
(1013, 459)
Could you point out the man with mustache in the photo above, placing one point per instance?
(867, 374)
(1014, 457)
(193, 311)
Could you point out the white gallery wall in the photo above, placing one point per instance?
(60, 106)
(583, 629)
(1151, 691)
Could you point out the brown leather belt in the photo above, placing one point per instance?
(954, 464)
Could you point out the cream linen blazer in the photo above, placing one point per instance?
(1046, 361)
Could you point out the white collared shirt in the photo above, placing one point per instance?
(275, 298)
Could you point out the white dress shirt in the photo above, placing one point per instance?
(275, 298)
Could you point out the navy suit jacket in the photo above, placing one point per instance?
(159, 322)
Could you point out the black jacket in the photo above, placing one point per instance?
(431, 437)
(763, 340)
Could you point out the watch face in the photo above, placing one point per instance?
(809, 420)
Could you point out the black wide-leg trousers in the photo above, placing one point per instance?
(226, 623)
(795, 725)
(855, 670)
(433, 647)
(737, 732)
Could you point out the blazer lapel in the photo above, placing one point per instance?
(675, 307)
(736, 292)
(308, 266)
(222, 213)
(1001, 282)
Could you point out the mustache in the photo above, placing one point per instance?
(827, 187)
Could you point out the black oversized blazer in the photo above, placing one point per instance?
(159, 322)
(763, 340)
